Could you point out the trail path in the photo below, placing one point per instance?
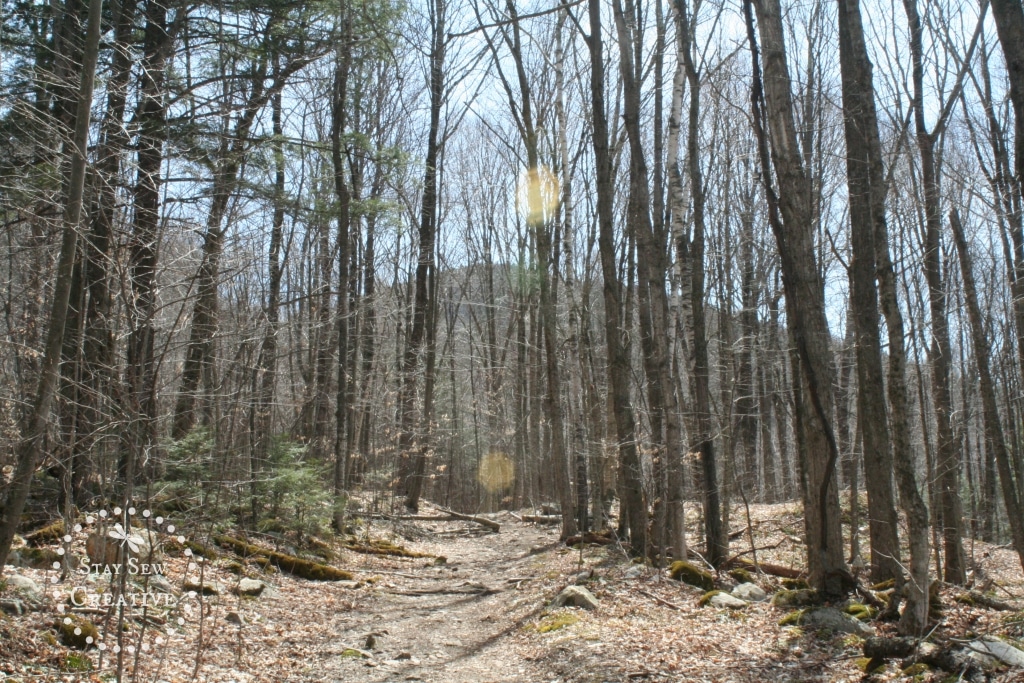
(451, 622)
(483, 616)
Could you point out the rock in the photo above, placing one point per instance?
(12, 606)
(833, 620)
(234, 618)
(750, 592)
(34, 558)
(795, 598)
(204, 588)
(740, 575)
(351, 585)
(575, 596)
(160, 583)
(77, 632)
(1004, 652)
(726, 601)
(582, 577)
(28, 589)
(249, 588)
(687, 572)
(634, 572)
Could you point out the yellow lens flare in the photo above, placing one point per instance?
(497, 472)
(537, 194)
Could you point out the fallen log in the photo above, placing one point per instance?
(298, 566)
(976, 598)
(764, 567)
(590, 537)
(483, 521)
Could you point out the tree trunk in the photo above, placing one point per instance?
(790, 218)
(994, 436)
(37, 422)
(693, 255)
(414, 454)
(634, 508)
(862, 153)
(948, 459)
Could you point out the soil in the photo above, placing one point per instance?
(482, 615)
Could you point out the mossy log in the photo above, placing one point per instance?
(378, 547)
(304, 569)
(976, 598)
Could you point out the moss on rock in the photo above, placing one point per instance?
(705, 599)
(796, 584)
(741, 575)
(691, 574)
(860, 611)
(77, 632)
(47, 535)
(37, 558)
(796, 598)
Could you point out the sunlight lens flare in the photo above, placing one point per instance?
(497, 472)
(537, 194)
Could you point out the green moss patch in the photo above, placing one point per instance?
(796, 598)
(689, 573)
(47, 535)
(860, 611)
(556, 621)
(705, 599)
(77, 632)
(741, 576)
(38, 558)
(792, 619)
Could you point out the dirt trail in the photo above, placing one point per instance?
(449, 624)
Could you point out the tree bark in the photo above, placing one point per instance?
(37, 422)
(947, 458)
(790, 218)
(631, 494)
(864, 178)
(994, 436)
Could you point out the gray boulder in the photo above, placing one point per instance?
(750, 592)
(27, 589)
(634, 572)
(833, 620)
(575, 596)
(250, 588)
(207, 587)
(160, 583)
(726, 601)
(997, 649)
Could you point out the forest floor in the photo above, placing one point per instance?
(482, 615)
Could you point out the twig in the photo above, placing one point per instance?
(660, 601)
